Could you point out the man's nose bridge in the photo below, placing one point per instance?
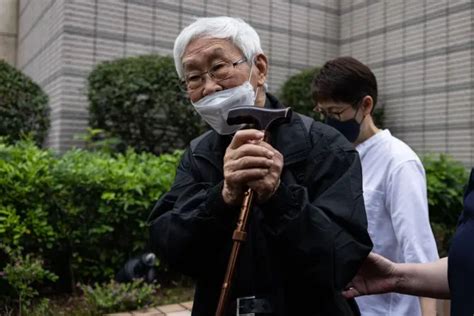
(206, 76)
(209, 84)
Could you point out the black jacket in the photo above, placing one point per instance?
(303, 245)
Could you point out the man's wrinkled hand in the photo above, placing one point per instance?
(265, 188)
(248, 159)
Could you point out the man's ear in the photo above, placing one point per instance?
(260, 63)
(367, 105)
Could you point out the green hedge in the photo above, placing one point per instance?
(446, 180)
(139, 101)
(83, 212)
(296, 92)
(23, 106)
(105, 201)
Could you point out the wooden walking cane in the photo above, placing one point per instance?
(262, 119)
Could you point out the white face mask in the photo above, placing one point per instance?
(215, 107)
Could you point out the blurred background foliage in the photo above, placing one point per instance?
(23, 106)
(138, 101)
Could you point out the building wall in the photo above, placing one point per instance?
(8, 30)
(40, 56)
(71, 36)
(422, 54)
(420, 51)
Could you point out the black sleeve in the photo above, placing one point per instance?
(322, 226)
(191, 224)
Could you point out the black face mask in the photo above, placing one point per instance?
(350, 128)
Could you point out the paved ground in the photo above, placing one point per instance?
(182, 309)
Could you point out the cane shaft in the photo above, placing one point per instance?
(239, 237)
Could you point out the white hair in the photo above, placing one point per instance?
(241, 34)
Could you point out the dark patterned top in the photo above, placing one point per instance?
(461, 258)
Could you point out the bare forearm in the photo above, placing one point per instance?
(428, 306)
(424, 279)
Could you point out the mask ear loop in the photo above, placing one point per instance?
(357, 111)
(251, 67)
(250, 77)
(256, 93)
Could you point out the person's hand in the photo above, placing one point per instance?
(247, 160)
(264, 188)
(376, 275)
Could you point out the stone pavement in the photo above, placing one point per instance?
(181, 309)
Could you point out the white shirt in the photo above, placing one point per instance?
(397, 213)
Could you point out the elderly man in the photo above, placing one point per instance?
(307, 232)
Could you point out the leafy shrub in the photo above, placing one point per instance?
(446, 180)
(23, 106)
(25, 222)
(105, 201)
(26, 187)
(84, 212)
(21, 272)
(96, 139)
(296, 92)
(119, 297)
(139, 101)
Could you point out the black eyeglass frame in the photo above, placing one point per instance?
(210, 72)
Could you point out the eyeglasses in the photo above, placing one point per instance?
(218, 72)
(332, 114)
